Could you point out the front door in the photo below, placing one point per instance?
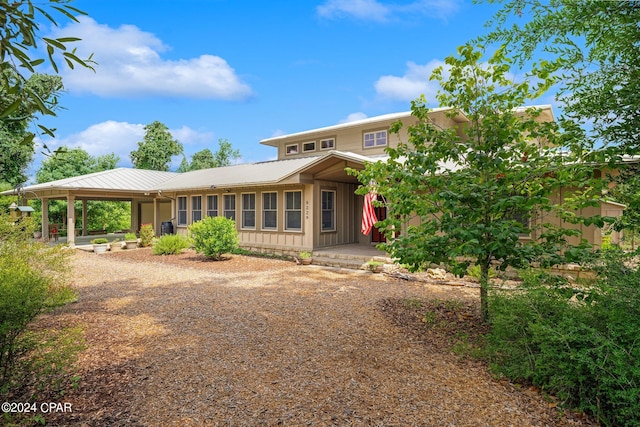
(378, 236)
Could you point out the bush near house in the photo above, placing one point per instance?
(146, 235)
(579, 343)
(170, 244)
(214, 236)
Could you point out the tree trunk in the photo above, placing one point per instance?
(484, 286)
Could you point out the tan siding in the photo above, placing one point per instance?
(346, 219)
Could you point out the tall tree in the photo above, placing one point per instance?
(157, 149)
(465, 196)
(593, 47)
(19, 41)
(205, 159)
(16, 148)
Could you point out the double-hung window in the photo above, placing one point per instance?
(229, 201)
(270, 211)
(249, 210)
(196, 208)
(212, 205)
(375, 139)
(328, 202)
(293, 211)
(182, 210)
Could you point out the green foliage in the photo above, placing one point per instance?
(205, 159)
(577, 342)
(475, 272)
(157, 149)
(171, 244)
(33, 278)
(130, 236)
(305, 254)
(592, 47)
(21, 22)
(146, 235)
(214, 236)
(99, 241)
(469, 193)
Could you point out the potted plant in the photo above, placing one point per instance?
(131, 240)
(306, 257)
(115, 245)
(100, 245)
(375, 266)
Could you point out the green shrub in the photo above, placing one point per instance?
(579, 343)
(130, 236)
(33, 278)
(214, 236)
(170, 244)
(99, 241)
(146, 235)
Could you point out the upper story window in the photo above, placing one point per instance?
(182, 210)
(212, 205)
(328, 144)
(196, 208)
(291, 149)
(308, 146)
(375, 139)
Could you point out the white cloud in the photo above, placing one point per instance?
(412, 84)
(377, 11)
(130, 64)
(354, 117)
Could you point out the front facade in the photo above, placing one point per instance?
(304, 200)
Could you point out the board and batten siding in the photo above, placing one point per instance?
(347, 224)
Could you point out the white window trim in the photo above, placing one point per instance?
(304, 149)
(186, 210)
(285, 210)
(286, 149)
(262, 226)
(216, 207)
(235, 206)
(243, 210)
(375, 139)
(328, 230)
(193, 210)
(333, 145)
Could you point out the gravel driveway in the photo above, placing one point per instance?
(252, 341)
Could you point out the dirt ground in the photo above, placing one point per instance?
(177, 340)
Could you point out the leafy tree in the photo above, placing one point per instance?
(592, 46)
(19, 40)
(66, 163)
(157, 149)
(465, 196)
(16, 149)
(205, 159)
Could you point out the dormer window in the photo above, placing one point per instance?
(375, 139)
(308, 146)
(291, 149)
(328, 144)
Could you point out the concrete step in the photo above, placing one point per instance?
(352, 264)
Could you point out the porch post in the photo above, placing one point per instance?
(71, 221)
(155, 217)
(45, 219)
(84, 217)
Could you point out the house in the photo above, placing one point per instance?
(304, 200)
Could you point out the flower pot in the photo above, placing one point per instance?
(305, 261)
(100, 248)
(131, 244)
(116, 246)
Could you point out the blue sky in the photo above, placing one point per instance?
(249, 70)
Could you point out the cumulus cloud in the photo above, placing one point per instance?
(377, 11)
(354, 117)
(130, 64)
(121, 138)
(412, 84)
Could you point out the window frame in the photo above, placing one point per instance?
(182, 211)
(333, 143)
(304, 146)
(271, 209)
(244, 210)
(287, 211)
(293, 152)
(375, 143)
(194, 210)
(332, 210)
(226, 197)
(217, 201)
